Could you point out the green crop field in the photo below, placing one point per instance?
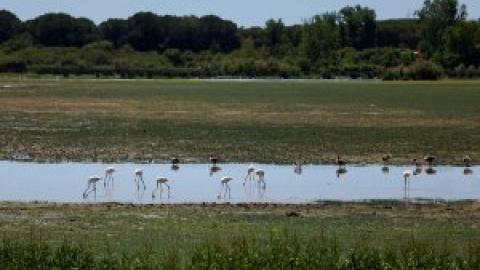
(261, 121)
(328, 236)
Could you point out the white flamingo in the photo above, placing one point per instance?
(250, 174)
(406, 176)
(261, 177)
(139, 178)
(225, 187)
(161, 181)
(109, 176)
(91, 186)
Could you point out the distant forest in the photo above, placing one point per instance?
(350, 43)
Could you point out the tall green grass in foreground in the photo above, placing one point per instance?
(287, 252)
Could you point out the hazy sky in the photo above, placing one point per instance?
(242, 12)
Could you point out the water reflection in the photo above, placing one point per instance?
(341, 172)
(175, 167)
(47, 182)
(467, 171)
(385, 170)
(430, 171)
(214, 169)
(298, 169)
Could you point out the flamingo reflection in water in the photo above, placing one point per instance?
(214, 169)
(341, 172)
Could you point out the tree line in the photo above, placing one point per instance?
(438, 41)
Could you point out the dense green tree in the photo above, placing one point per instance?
(144, 32)
(435, 17)
(274, 30)
(320, 38)
(357, 27)
(398, 33)
(9, 25)
(59, 29)
(461, 45)
(115, 31)
(213, 33)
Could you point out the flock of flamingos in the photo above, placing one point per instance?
(253, 174)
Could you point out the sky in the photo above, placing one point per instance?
(244, 13)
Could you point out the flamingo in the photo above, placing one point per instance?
(109, 175)
(261, 177)
(225, 186)
(92, 183)
(161, 181)
(250, 174)
(406, 176)
(139, 178)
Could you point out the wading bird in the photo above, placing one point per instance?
(467, 160)
(298, 166)
(91, 186)
(161, 181)
(386, 159)
(214, 159)
(250, 174)
(261, 178)
(417, 163)
(175, 163)
(225, 187)
(430, 159)
(139, 178)
(406, 176)
(109, 176)
(340, 161)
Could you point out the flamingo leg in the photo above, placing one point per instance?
(144, 186)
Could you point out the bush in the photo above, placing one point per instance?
(424, 70)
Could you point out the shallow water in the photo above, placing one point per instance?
(66, 182)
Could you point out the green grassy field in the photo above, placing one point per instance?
(245, 121)
(328, 236)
